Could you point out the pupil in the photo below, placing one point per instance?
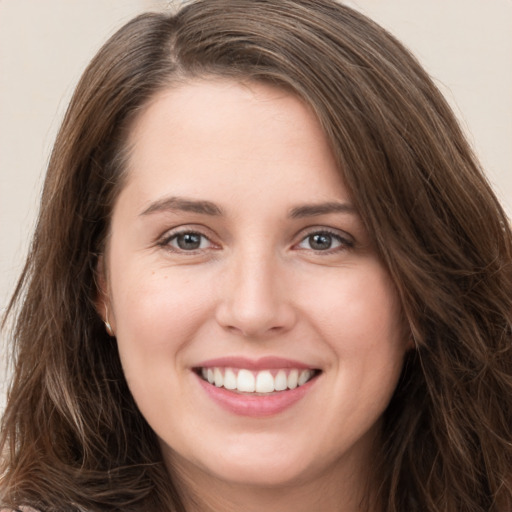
(321, 241)
(189, 241)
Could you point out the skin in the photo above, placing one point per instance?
(254, 287)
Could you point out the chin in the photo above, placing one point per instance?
(245, 465)
(269, 474)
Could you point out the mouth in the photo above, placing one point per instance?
(256, 383)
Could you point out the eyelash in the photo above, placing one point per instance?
(344, 243)
(166, 241)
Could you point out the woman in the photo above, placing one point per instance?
(268, 274)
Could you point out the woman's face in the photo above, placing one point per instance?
(260, 335)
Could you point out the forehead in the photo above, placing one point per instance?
(225, 136)
(211, 109)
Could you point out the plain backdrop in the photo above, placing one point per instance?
(466, 45)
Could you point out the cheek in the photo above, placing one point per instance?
(361, 321)
(157, 312)
(374, 358)
(359, 313)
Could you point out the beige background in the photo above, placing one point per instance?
(44, 45)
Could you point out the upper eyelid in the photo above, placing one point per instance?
(324, 229)
(172, 232)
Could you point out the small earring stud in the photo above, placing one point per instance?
(108, 327)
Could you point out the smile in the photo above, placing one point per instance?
(266, 381)
(256, 387)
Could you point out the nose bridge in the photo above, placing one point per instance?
(255, 301)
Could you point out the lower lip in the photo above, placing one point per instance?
(256, 405)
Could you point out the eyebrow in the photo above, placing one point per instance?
(312, 210)
(204, 207)
(183, 204)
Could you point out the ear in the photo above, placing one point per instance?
(102, 301)
(408, 335)
(411, 340)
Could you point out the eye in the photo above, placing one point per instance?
(187, 241)
(324, 241)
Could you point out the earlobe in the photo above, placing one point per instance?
(411, 342)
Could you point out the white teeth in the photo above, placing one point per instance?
(230, 379)
(281, 382)
(219, 378)
(264, 382)
(247, 381)
(293, 378)
(303, 377)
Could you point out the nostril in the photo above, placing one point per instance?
(252, 320)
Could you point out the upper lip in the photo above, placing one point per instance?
(262, 363)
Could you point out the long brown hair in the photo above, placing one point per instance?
(72, 437)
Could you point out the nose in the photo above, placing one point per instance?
(255, 302)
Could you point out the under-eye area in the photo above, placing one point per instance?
(242, 380)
